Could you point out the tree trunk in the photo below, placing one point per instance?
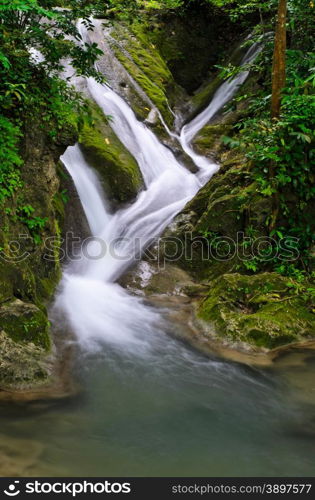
(278, 84)
(279, 60)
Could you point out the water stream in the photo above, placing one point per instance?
(152, 406)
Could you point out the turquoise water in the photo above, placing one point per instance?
(170, 412)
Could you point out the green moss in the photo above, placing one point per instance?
(118, 169)
(203, 96)
(209, 140)
(68, 134)
(59, 205)
(144, 63)
(21, 365)
(154, 93)
(25, 322)
(257, 309)
(6, 278)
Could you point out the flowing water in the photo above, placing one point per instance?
(152, 406)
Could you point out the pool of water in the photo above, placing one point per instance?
(168, 412)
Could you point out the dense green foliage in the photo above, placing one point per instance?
(286, 144)
(34, 39)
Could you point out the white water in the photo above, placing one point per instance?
(221, 97)
(96, 308)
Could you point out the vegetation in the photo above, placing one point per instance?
(34, 40)
(266, 184)
(279, 144)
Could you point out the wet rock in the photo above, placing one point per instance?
(119, 171)
(25, 322)
(256, 309)
(28, 278)
(22, 365)
(152, 118)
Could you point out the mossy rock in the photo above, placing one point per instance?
(223, 208)
(223, 216)
(144, 63)
(27, 277)
(22, 365)
(209, 140)
(7, 274)
(119, 171)
(204, 95)
(25, 322)
(257, 309)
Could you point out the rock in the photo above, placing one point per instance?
(140, 57)
(256, 309)
(25, 322)
(152, 118)
(28, 279)
(209, 140)
(119, 171)
(22, 364)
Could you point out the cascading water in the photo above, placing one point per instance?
(95, 306)
(171, 412)
(221, 97)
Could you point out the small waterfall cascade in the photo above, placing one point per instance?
(96, 307)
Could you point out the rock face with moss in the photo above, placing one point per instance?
(118, 170)
(29, 260)
(144, 63)
(160, 60)
(257, 309)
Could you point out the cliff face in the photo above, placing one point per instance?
(29, 259)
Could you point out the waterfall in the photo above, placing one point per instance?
(221, 97)
(97, 308)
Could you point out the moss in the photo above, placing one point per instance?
(203, 96)
(47, 287)
(256, 309)
(209, 140)
(27, 278)
(144, 63)
(25, 322)
(6, 278)
(59, 205)
(21, 365)
(154, 93)
(118, 169)
(68, 134)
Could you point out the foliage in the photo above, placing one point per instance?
(9, 158)
(35, 39)
(288, 143)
